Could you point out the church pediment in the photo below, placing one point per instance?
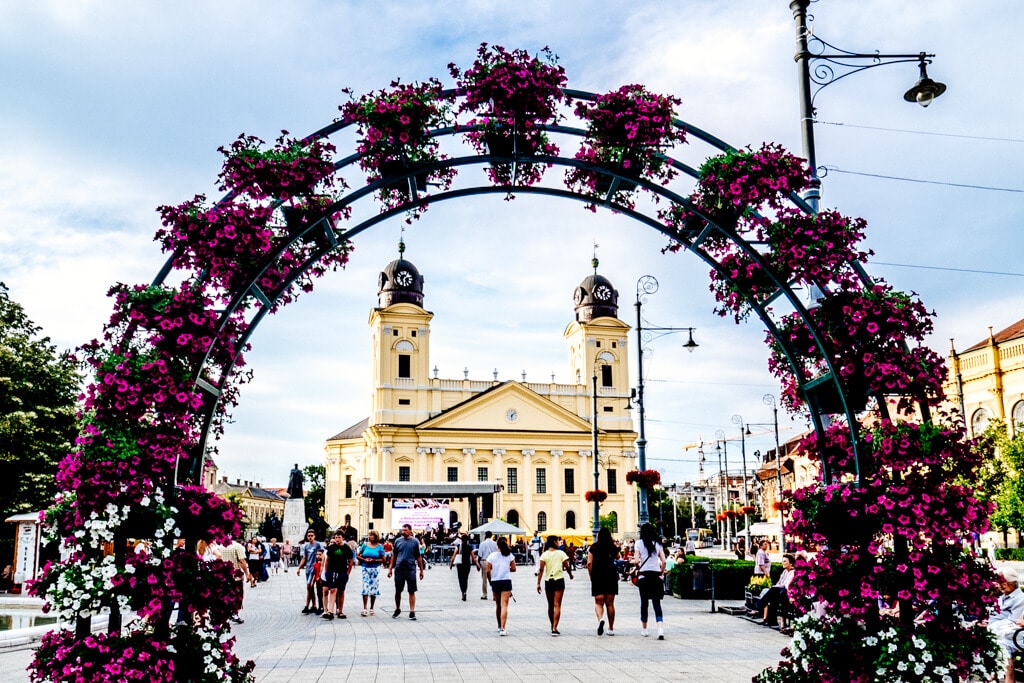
(508, 407)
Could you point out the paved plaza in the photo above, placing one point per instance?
(453, 640)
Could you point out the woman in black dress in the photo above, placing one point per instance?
(604, 580)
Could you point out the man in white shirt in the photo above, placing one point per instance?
(487, 547)
(1007, 614)
(535, 547)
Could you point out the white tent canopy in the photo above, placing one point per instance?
(497, 526)
(765, 529)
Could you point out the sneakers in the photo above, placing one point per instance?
(611, 632)
(306, 610)
(394, 615)
(328, 616)
(502, 632)
(643, 632)
(600, 628)
(463, 597)
(483, 597)
(555, 632)
(363, 613)
(412, 616)
(661, 633)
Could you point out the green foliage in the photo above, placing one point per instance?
(731, 578)
(1014, 554)
(38, 392)
(610, 522)
(1006, 491)
(315, 485)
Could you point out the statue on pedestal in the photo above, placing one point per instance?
(295, 483)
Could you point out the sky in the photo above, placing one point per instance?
(110, 109)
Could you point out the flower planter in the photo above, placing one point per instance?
(417, 181)
(628, 183)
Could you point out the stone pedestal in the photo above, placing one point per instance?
(294, 525)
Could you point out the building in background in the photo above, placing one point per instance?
(464, 451)
(986, 380)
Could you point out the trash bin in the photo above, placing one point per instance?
(701, 576)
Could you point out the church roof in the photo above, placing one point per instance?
(353, 432)
(1014, 331)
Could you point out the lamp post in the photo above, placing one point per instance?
(593, 433)
(720, 436)
(769, 400)
(810, 48)
(647, 284)
(738, 420)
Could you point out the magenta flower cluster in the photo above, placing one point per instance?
(627, 132)
(511, 94)
(291, 168)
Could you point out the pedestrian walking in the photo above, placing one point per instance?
(286, 555)
(307, 562)
(487, 548)
(254, 556)
(462, 561)
(650, 561)
(371, 557)
(500, 566)
(535, 548)
(554, 564)
(336, 572)
(275, 556)
(604, 579)
(405, 558)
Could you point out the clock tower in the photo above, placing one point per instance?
(598, 339)
(401, 345)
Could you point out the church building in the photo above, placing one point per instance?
(467, 451)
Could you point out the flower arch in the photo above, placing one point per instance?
(171, 361)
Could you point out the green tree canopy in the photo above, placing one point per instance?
(1007, 485)
(38, 393)
(315, 478)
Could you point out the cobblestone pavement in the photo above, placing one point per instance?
(453, 640)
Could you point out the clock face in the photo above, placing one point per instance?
(603, 293)
(403, 278)
(512, 415)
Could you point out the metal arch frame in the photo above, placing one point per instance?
(692, 241)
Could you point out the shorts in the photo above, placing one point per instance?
(554, 585)
(404, 578)
(501, 586)
(334, 580)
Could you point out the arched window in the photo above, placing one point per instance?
(614, 519)
(979, 421)
(542, 521)
(570, 520)
(513, 517)
(1017, 415)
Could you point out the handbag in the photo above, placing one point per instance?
(458, 558)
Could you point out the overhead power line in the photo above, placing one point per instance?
(831, 169)
(954, 270)
(921, 132)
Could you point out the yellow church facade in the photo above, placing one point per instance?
(986, 380)
(486, 449)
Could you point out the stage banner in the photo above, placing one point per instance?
(419, 513)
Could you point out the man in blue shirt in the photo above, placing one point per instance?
(405, 558)
(307, 553)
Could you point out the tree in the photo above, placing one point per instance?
(38, 392)
(315, 477)
(1007, 488)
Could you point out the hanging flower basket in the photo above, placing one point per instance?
(597, 496)
(730, 514)
(780, 505)
(721, 517)
(748, 509)
(645, 479)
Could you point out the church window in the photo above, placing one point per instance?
(404, 401)
(609, 409)
(403, 473)
(542, 521)
(348, 485)
(570, 520)
(404, 365)
(412, 333)
(598, 344)
(453, 474)
(542, 480)
(394, 332)
(512, 479)
(481, 474)
(570, 480)
(614, 519)
(613, 345)
(613, 485)
(606, 375)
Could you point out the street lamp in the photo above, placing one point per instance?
(593, 433)
(647, 284)
(846, 63)
(722, 446)
(738, 420)
(769, 400)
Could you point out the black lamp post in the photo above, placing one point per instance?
(769, 400)
(836, 64)
(648, 284)
(593, 432)
(744, 430)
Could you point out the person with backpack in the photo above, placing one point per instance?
(462, 558)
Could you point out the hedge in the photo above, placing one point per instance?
(731, 578)
(1016, 554)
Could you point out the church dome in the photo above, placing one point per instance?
(596, 297)
(400, 282)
